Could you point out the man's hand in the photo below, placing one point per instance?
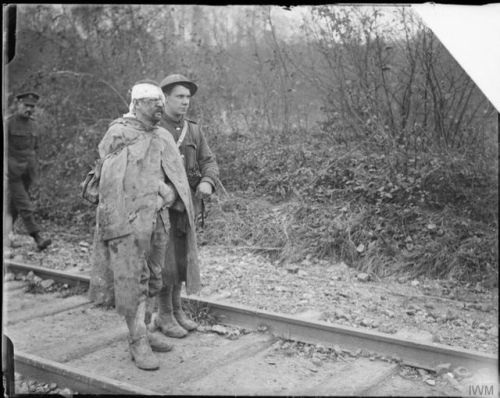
(168, 193)
(203, 190)
(178, 206)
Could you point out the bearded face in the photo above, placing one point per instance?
(150, 109)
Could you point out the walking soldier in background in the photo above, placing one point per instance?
(22, 165)
(141, 178)
(203, 175)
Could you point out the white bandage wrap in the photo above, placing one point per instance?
(144, 90)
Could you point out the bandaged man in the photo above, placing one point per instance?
(142, 177)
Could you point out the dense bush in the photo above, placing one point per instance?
(438, 218)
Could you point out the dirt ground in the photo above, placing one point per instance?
(214, 360)
(441, 311)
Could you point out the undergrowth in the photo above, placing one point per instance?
(434, 214)
(293, 197)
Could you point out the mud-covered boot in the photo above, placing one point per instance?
(179, 313)
(142, 354)
(140, 350)
(159, 342)
(41, 243)
(166, 320)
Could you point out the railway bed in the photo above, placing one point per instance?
(71, 342)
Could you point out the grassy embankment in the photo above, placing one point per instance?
(295, 198)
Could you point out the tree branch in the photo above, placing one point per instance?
(83, 74)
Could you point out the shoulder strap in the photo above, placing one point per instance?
(183, 134)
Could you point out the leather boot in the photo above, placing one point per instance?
(166, 320)
(159, 342)
(40, 242)
(140, 350)
(179, 313)
(142, 355)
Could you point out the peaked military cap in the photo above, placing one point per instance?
(29, 98)
(178, 79)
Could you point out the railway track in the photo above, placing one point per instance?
(249, 352)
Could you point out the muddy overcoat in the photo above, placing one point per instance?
(131, 154)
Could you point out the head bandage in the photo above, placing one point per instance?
(141, 91)
(146, 90)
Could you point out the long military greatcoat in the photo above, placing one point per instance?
(131, 156)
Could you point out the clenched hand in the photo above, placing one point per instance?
(203, 190)
(168, 194)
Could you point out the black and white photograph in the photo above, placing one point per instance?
(250, 200)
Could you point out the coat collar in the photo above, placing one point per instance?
(134, 122)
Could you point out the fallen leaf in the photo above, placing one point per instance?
(219, 329)
(363, 277)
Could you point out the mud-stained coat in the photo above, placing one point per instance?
(128, 190)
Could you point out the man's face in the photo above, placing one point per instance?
(150, 108)
(177, 102)
(25, 110)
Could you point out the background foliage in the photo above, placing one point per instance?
(354, 136)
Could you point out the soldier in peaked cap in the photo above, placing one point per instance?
(203, 175)
(29, 98)
(22, 164)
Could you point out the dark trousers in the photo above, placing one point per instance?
(177, 263)
(8, 365)
(20, 203)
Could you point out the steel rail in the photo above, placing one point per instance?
(48, 371)
(414, 353)
(46, 273)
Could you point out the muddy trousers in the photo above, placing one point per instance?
(137, 274)
(141, 342)
(136, 323)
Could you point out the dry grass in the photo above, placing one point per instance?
(379, 222)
